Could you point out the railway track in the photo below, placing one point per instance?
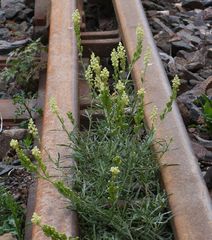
(188, 196)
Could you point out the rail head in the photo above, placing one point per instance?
(61, 84)
(188, 196)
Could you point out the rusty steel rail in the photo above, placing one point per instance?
(61, 84)
(188, 196)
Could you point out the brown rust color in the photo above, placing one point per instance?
(188, 197)
(62, 85)
(101, 47)
(41, 12)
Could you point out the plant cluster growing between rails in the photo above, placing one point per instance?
(115, 183)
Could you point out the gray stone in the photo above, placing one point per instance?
(7, 3)
(12, 7)
(24, 14)
(192, 4)
(6, 47)
(206, 73)
(200, 151)
(3, 85)
(23, 27)
(4, 33)
(207, 3)
(6, 136)
(191, 113)
(2, 16)
(190, 75)
(210, 52)
(7, 236)
(181, 45)
(188, 35)
(208, 178)
(208, 14)
(194, 66)
(12, 26)
(13, 11)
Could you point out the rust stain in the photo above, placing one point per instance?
(188, 196)
(61, 84)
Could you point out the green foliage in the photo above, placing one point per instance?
(24, 104)
(129, 204)
(11, 215)
(24, 65)
(115, 188)
(207, 113)
(206, 103)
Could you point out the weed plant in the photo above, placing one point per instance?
(206, 104)
(116, 179)
(11, 215)
(23, 67)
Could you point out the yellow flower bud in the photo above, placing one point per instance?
(36, 219)
(114, 170)
(14, 143)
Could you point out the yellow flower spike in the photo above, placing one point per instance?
(76, 22)
(154, 115)
(176, 82)
(36, 219)
(139, 35)
(122, 56)
(125, 98)
(14, 144)
(147, 57)
(89, 76)
(95, 64)
(36, 152)
(104, 75)
(141, 92)
(32, 128)
(76, 17)
(53, 106)
(115, 59)
(120, 86)
(114, 170)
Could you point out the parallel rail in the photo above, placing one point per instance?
(188, 197)
(61, 84)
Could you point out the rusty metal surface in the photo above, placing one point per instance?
(188, 196)
(62, 85)
(41, 12)
(101, 47)
(100, 35)
(101, 43)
